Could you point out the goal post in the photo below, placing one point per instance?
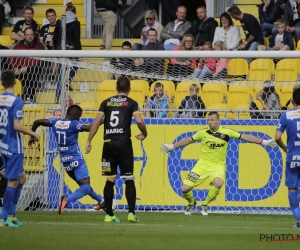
(254, 175)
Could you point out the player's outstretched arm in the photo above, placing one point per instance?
(19, 127)
(86, 128)
(253, 139)
(93, 130)
(141, 125)
(166, 148)
(36, 124)
(279, 141)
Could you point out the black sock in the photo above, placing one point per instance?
(130, 193)
(108, 197)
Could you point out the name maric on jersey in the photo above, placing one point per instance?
(114, 131)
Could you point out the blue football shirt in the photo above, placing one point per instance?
(10, 110)
(66, 133)
(290, 121)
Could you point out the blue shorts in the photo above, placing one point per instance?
(292, 174)
(77, 170)
(13, 165)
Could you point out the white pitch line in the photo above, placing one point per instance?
(155, 225)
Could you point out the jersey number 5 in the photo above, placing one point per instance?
(114, 119)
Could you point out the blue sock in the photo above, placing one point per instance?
(95, 196)
(8, 199)
(294, 204)
(12, 210)
(83, 190)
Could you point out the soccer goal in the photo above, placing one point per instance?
(49, 81)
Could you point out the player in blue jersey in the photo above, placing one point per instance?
(11, 147)
(290, 122)
(66, 133)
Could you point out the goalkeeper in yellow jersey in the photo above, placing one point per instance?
(212, 161)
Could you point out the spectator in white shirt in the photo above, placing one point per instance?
(227, 32)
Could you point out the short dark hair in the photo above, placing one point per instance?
(50, 11)
(25, 31)
(123, 84)
(214, 113)
(296, 96)
(126, 43)
(234, 10)
(228, 17)
(28, 8)
(74, 110)
(152, 29)
(8, 78)
(201, 7)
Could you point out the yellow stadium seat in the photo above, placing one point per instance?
(286, 93)
(138, 95)
(266, 41)
(237, 95)
(287, 70)
(169, 88)
(238, 112)
(263, 63)
(106, 89)
(298, 45)
(259, 75)
(140, 84)
(213, 93)
(237, 68)
(222, 109)
(166, 63)
(89, 105)
(6, 41)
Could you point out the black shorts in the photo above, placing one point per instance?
(117, 152)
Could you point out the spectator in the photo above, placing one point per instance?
(28, 22)
(269, 13)
(194, 102)
(291, 16)
(72, 43)
(123, 63)
(151, 21)
(204, 28)
(270, 101)
(107, 10)
(151, 65)
(157, 103)
(182, 67)
(203, 61)
(227, 32)
(46, 37)
(215, 68)
(173, 33)
(12, 4)
(282, 41)
(251, 27)
(28, 70)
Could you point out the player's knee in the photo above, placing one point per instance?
(86, 188)
(185, 189)
(218, 185)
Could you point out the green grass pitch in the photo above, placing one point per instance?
(168, 231)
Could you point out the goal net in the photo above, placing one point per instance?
(239, 85)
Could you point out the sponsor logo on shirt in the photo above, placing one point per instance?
(6, 100)
(214, 145)
(62, 124)
(20, 114)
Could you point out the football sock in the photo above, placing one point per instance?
(189, 197)
(79, 193)
(8, 199)
(18, 191)
(108, 197)
(294, 204)
(130, 193)
(94, 195)
(212, 194)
